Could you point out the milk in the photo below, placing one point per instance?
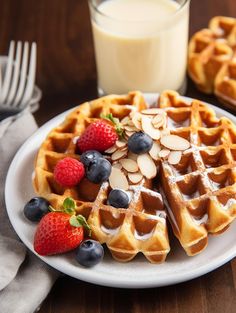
(140, 45)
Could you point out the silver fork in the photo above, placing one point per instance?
(16, 87)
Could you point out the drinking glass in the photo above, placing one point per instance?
(147, 51)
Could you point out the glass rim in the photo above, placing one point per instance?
(96, 8)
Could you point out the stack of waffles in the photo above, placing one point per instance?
(189, 174)
(212, 59)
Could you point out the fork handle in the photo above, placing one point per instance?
(6, 114)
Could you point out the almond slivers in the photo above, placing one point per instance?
(174, 142)
(137, 120)
(118, 155)
(125, 120)
(135, 178)
(111, 150)
(132, 156)
(154, 152)
(147, 166)
(118, 179)
(158, 121)
(149, 129)
(121, 144)
(130, 166)
(174, 157)
(164, 153)
(117, 165)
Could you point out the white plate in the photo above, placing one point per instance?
(136, 274)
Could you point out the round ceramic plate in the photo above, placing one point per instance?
(138, 273)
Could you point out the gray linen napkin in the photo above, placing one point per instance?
(24, 280)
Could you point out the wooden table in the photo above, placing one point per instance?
(67, 76)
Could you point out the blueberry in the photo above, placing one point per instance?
(98, 171)
(36, 208)
(89, 253)
(140, 143)
(89, 156)
(118, 198)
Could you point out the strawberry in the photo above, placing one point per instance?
(99, 135)
(59, 232)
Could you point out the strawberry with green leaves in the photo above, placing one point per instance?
(60, 231)
(100, 135)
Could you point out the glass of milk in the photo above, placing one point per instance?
(140, 44)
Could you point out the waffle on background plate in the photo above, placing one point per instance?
(212, 59)
(198, 192)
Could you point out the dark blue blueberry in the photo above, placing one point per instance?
(89, 156)
(89, 253)
(36, 208)
(140, 143)
(118, 198)
(98, 171)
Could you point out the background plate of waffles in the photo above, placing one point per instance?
(139, 273)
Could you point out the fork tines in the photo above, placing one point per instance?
(16, 86)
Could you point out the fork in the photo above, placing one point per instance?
(16, 87)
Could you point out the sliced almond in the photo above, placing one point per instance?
(149, 129)
(158, 121)
(133, 112)
(125, 120)
(152, 111)
(165, 132)
(137, 120)
(174, 157)
(118, 179)
(164, 153)
(112, 149)
(124, 149)
(117, 165)
(132, 156)
(154, 152)
(121, 144)
(135, 178)
(129, 134)
(175, 142)
(130, 128)
(147, 166)
(129, 165)
(118, 155)
(165, 121)
(130, 123)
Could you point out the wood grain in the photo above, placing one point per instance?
(67, 75)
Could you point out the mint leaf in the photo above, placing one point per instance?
(69, 203)
(69, 211)
(74, 222)
(82, 220)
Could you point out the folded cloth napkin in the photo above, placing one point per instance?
(24, 280)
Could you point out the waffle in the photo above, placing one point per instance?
(212, 59)
(139, 228)
(199, 191)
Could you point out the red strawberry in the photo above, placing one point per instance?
(55, 233)
(68, 172)
(98, 136)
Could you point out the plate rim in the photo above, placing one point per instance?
(102, 280)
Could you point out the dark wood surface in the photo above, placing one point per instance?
(67, 76)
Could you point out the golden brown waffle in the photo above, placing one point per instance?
(139, 228)
(211, 60)
(201, 189)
